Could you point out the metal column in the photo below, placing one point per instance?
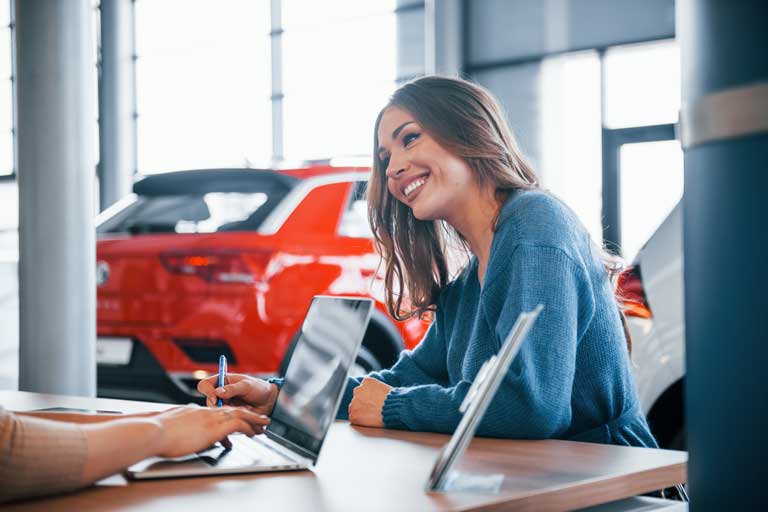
(725, 136)
(56, 164)
(276, 42)
(117, 143)
(443, 37)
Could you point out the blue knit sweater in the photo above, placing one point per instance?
(571, 378)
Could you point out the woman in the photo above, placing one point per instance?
(39, 456)
(445, 163)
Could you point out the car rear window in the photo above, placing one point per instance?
(197, 208)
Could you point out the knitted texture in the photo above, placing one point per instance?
(571, 378)
(39, 456)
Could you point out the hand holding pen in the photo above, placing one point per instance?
(222, 377)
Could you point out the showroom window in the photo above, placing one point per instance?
(570, 134)
(202, 84)
(625, 190)
(339, 68)
(643, 160)
(642, 84)
(6, 91)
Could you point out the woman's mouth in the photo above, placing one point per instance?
(412, 189)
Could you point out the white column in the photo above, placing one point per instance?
(117, 141)
(443, 37)
(57, 289)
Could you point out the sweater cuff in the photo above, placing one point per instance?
(393, 410)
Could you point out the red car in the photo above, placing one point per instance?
(195, 264)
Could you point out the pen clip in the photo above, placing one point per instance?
(479, 378)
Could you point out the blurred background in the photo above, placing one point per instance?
(178, 178)
(590, 88)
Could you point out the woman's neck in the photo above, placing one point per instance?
(476, 224)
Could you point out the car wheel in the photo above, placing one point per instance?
(365, 363)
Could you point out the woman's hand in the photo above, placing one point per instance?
(257, 395)
(367, 402)
(189, 429)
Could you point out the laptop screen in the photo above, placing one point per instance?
(317, 373)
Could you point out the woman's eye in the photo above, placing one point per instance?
(384, 162)
(409, 137)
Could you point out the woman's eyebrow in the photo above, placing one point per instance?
(397, 130)
(395, 133)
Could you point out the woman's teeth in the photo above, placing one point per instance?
(413, 186)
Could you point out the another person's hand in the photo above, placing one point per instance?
(240, 390)
(189, 429)
(367, 403)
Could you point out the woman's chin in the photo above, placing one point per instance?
(423, 213)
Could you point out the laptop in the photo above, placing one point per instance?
(314, 383)
(476, 401)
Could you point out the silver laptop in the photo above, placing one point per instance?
(306, 405)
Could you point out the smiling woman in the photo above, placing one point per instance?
(445, 164)
(471, 163)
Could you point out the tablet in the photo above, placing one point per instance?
(479, 397)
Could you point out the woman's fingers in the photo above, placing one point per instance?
(206, 387)
(236, 386)
(230, 391)
(237, 417)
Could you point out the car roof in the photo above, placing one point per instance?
(201, 181)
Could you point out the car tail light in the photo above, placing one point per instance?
(220, 266)
(629, 289)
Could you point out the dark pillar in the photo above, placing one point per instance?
(725, 136)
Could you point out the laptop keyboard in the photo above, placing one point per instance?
(247, 452)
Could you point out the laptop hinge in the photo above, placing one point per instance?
(288, 449)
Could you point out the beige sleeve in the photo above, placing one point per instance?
(39, 456)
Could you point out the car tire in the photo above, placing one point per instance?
(365, 362)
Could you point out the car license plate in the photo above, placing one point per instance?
(113, 350)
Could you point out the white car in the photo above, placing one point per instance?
(653, 286)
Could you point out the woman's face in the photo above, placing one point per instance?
(423, 175)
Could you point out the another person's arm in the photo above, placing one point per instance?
(39, 456)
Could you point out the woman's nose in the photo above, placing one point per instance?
(395, 169)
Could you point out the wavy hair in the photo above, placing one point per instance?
(466, 120)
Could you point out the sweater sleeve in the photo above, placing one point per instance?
(423, 365)
(533, 401)
(39, 456)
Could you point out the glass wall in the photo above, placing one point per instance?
(570, 134)
(651, 185)
(202, 84)
(642, 89)
(6, 91)
(339, 67)
(642, 84)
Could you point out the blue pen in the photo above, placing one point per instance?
(222, 376)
